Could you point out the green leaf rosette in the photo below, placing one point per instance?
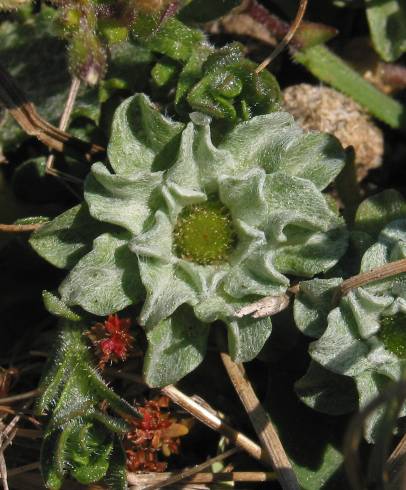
(361, 344)
(195, 229)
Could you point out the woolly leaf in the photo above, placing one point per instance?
(326, 391)
(377, 211)
(67, 238)
(364, 335)
(110, 272)
(313, 303)
(247, 336)
(140, 135)
(175, 347)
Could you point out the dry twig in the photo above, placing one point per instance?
(19, 228)
(143, 479)
(182, 475)
(288, 37)
(208, 418)
(26, 115)
(263, 426)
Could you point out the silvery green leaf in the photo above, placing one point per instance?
(247, 336)
(276, 143)
(327, 392)
(363, 337)
(105, 280)
(313, 303)
(68, 237)
(342, 348)
(121, 200)
(166, 290)
(176, 346)
(141, 137)
(374, 213)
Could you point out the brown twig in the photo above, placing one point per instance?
(387, 270)
(182, 475)
(26, 115)
(141, 479)
(263, 426)
(208, 418)
(21, 396)
(19, 228)
(205, 415)
(63, 124)
(287, 38)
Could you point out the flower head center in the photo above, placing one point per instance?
(393, 334)
(204, 233)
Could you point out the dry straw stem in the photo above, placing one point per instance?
(387, 270)
(208, 418)
(263, 426)
(26, 115)
(63, 124)
(182, 475)
(19, 228)
(205, 415)
(288, 37)
(140, 480)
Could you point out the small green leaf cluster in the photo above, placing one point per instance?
(81, 439)
(193, 230)
(361, 341)
(219, 82)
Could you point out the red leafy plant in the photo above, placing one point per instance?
(158, 431)
(112, 340)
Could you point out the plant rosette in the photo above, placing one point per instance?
(196, 230)
(361, 346)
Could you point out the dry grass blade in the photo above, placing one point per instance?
(19, 228)
(143, 479)
(263, 426)
(182, 475)
(288, 37)
(26, 115)
(208, 418)
(387, 270)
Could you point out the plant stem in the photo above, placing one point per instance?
(19, 228)
(287, 38)
(387, 270)
(211, 420)
(332, 69)
(182, 475)
(262, 423)
(64, 121)
(203, 477)
(26, 115)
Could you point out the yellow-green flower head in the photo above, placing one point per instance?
(184, 221)
(361, 344)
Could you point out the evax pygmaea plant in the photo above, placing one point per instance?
(361, 344)
(195, 230)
